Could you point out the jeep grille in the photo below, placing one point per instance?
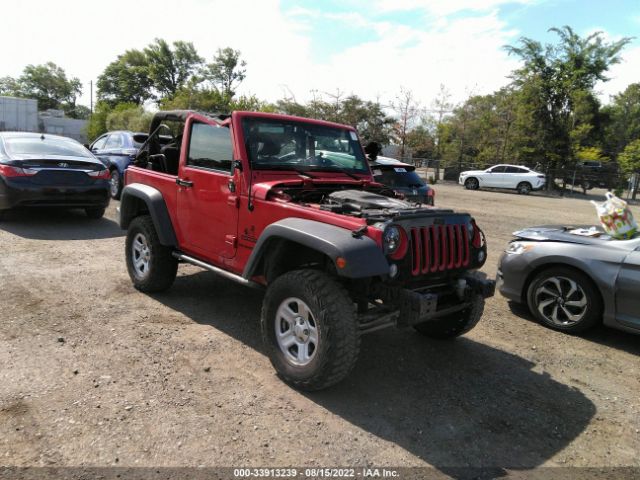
(438, 248)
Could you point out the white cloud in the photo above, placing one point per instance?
(463, 53)
(621, 75)
(442, 7)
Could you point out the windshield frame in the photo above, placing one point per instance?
(308, 127)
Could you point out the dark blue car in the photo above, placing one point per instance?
(117, 150)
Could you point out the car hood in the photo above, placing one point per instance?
(560, 233)
(472, 172)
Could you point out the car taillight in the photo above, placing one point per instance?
(102, 174)
(9, 171)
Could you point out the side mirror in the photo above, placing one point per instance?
(236, 165)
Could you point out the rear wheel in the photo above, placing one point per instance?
(309, 329)
(524, 188)
(151, 265)
(565, 299)
(456, 324)
(472, 184)
(115, 185)
(95, 213)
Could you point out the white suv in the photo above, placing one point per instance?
(515, 177)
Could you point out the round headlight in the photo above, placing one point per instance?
(391, 239)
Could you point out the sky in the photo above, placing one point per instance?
(370, 48)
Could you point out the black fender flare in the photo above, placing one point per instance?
(363, 256)
(152, 198)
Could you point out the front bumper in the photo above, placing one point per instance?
(411, 307)
(19, 192)
(513, 271)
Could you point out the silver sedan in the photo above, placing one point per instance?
(573, 282)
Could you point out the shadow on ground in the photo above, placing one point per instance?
(58, 224)
(453, 404)
(607, 336)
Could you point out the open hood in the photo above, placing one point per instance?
(560, 233)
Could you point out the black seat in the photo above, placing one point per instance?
(172, 159)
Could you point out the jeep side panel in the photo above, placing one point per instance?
(362, 256)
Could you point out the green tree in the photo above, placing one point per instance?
(128, 116)
(551, 79)
(126, 80)
(629, 161)
(622, 118)
(97, 124)
(171, 68)
(9, 86)
(49, 84)
(227, 71)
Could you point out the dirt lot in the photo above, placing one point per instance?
(93, 372)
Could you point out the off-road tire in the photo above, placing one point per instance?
(594, 307)
(472, 183)
(455, 324)
(524, 188)
(115, 193)
(163, 266)
(95, 213)
(335, 319)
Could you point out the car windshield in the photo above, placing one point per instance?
(289, 144)
(45, 145)
(398, 177)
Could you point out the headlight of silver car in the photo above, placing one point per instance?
(518, 248)
(391, 239)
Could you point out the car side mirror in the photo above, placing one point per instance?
(236, 165)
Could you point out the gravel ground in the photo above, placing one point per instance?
(94, 373)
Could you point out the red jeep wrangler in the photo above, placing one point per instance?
(289, 204)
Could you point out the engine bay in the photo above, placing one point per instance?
(372, 203)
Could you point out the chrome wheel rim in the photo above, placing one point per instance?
(296, 331)
(141, 255)
(473, 183)
(524, 189)
(561, 301)
(115, 183)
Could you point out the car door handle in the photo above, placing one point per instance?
(184, 183)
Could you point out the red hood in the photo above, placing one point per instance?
(261, 189)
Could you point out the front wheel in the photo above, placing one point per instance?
(455, 324)
(151, 265)
(564, 299)
(472, 184)
(524, 188)
(309, 329)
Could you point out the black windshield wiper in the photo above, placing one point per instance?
(299, 171)
(337, 169)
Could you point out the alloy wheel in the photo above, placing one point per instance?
(561, 301)
(141, 253)
(296, 331)
(114, 183)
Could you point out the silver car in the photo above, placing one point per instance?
(573, 282)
